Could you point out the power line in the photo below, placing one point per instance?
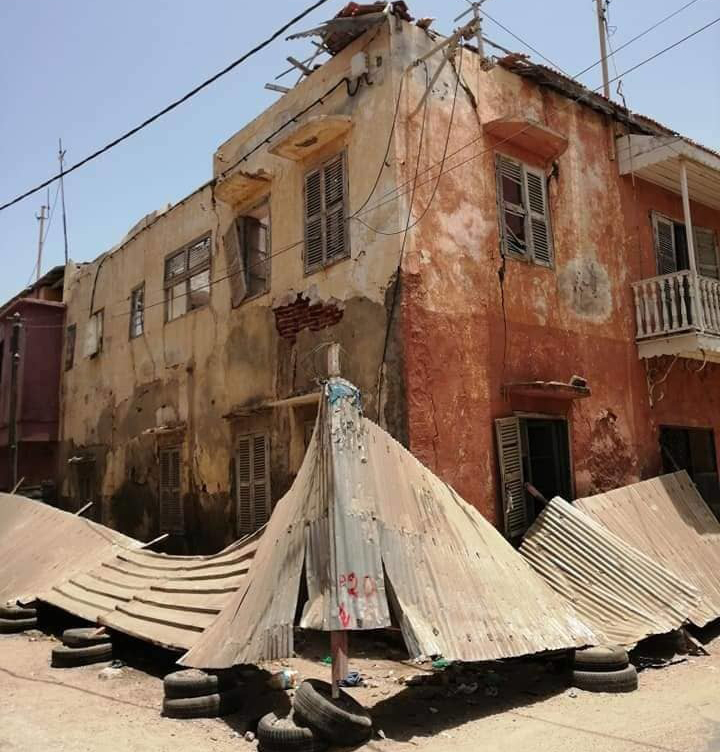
(176, 103)
(572, 101)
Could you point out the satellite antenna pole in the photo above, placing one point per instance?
(61, 158)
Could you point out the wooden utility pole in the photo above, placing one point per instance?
(41, 238)
(600, 8)
(14, 366)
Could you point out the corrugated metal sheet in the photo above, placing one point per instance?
(667, 519)
(620, 592)
(167, 600)
(371, 524)
(41, 545)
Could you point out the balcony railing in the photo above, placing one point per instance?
(675, 303)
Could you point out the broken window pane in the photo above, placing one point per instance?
(137, 311)
(199, 289)
(187, 279)
(515, 229)
(256, 249)
(512, 191)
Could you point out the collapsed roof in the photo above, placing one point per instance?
(371, 535)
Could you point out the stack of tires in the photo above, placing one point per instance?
(195, 694)
(81, 647)
(14, 618)
(605, 668)
(316, 721)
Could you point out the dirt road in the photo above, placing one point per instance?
(676, 709)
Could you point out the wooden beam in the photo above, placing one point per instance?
(339, 655)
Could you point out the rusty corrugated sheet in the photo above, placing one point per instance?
(667, 519)
(167, 600)
(41, 545)
(618, 591)
(376, 530)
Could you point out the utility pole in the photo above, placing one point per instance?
(14, 366)
(600, 8)
(61, 158)
(41, 239)
(475, 10)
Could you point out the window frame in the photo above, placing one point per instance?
(237, 255)
(137, 289)
(319, 168)
(657, 218)
(70, 343)
(526, 211)
(187, 275)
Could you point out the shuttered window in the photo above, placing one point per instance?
(172, 518)
(512, 483)
(252, 482)
(326, 229)
(665, 251)
(524, 211)
(247, 254)
(706, 252)
(671, 247)
(187, 279)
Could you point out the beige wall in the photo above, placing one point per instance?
(195, 370)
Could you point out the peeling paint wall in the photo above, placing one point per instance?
(474, 320)
(191, 382)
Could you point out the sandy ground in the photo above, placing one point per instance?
(676, 709)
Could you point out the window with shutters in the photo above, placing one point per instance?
(671, 247)
(137, 311)
(247, 254)
(533, 454)
(94, 334)
(524, 211)
(187, 279)
(252, 482)
(70, 335)
(326, 228)
(172, 518)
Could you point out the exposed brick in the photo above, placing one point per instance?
(299, 315)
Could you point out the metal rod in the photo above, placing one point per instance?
(12, 427)
(155, 540)
(61, 158)
(600, 7)
(18, 484)
(41, 219)
(83, 509)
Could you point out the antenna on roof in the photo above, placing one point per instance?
(61, 159)
(475, 10)
(41, 239)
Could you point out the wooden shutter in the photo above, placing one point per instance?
(243, 484)
(537, 206)
(509, 444)
(261, 485)
(706, 252)
(235, 270)
(172, 518)
(199, 254)
(664, 244)
(255, 254)
(314, 235)
(335, 224)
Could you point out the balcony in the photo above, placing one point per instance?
(678, 314)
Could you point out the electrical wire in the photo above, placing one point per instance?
(572, 101)
(173, 105)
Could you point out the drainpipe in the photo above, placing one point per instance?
(695, 291)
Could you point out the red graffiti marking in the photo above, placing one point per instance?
(344, 616)
(352, 585)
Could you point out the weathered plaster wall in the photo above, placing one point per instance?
(474, 321)
(193, 372)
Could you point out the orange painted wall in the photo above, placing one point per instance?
(466, 333)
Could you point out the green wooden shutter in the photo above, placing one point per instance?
(538, 217)
(512, 483)
(706, 252)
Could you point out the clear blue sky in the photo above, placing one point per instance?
(88, 71)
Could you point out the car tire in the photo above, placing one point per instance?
(280, 734)
(208, 706)
(17, 612)
(67, 657)
(82, 637)
(194, 683)
(343, 721)
(10, 626)
(601, 658)
(624, 680)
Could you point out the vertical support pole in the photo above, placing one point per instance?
(12, 422)
(61, 158)
(339, 655)
(600, 7)
(333, 360)
(690, 240)
(41, 219)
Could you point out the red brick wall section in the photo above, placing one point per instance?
(302, 314)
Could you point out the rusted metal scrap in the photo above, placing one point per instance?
(376, 533)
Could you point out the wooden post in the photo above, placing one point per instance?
(334, 360)
(339, 655)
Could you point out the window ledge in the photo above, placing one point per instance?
(327, 265)
(529, 135)
(311, 136)
(241, 187)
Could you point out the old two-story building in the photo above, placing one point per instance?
(522, 277)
